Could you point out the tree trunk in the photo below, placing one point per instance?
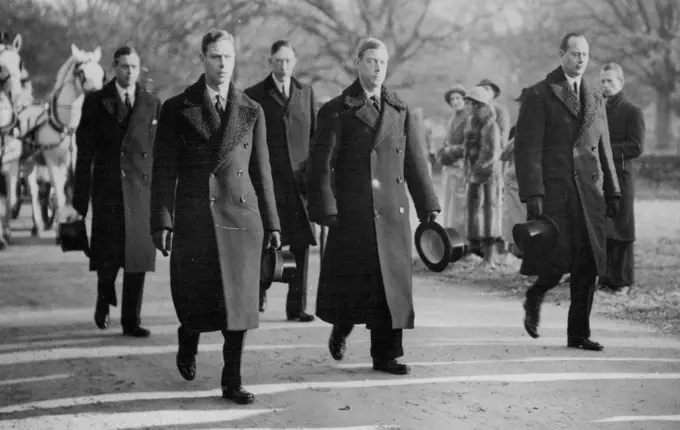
(664, 135)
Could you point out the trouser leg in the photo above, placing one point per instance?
(133, 290)
(106, 286)
(296, 301)
(386, 344)
(232, 353)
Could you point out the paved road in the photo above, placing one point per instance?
(473, 365)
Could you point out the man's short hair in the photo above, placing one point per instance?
(369, 43)
(123, 51)
(276, 46)
(616, 68)
(564, 44)
(213, 36)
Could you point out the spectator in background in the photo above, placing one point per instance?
(627, 136)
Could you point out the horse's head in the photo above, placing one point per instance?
(89, 74)
(11, 67)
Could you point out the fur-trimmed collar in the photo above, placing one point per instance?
(592, 99)
(355, 97)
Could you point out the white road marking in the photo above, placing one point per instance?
(34, 379)
(48, 343)
(53, 354)
(265, 389)
(378, 427)
(518, 360)
(632, 418)
(132, 420)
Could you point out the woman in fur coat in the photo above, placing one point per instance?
(483, 174)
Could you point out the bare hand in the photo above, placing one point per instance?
(274, 240)
(162, 240)
(430, 217)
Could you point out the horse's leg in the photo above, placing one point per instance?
(31, 176)
(58, 172)
(4, 224)
(11, 179)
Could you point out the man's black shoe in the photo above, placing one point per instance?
(238, 395)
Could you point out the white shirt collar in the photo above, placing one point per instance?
(213, 94)
(571, 81)
(375, 93)
(285, 84)
(129, 91)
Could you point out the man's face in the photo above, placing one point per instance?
(457, 102)
(372, 67)
(611, 83)
(127, 70)
(283, 63)
(575, 59)
(218, 62)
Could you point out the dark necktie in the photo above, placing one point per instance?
(283, 92)
(128, 105)
(576, 89)
(376, 103)
(218, 105)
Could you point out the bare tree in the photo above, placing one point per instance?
(328, 32)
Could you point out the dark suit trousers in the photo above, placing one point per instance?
(583, 275)
(232, 351)
(296, 301)
(133, 290)
(386, 343)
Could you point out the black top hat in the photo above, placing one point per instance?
(72, 236)
(537, 235)
(277, 266)
(438, 246)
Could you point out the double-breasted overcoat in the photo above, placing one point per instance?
(563, 154)
(212, 187)
(113, 168)
(290, 126)
(627, 135)
(360, 166)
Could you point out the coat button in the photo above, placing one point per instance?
(239, 172)
(212, 175)
(243, 199)
(144, 154)
(593, 148)
(122, 153)
(376, 213)
(212, 199)
(400, 180)
(401, 209)
(144, 176)
(375, 183)
(594, 176)
(398, 149)
(122, 172)
(245, 145)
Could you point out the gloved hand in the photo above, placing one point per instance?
(429, 217)
(162, 240)
(534, 207)
(274, 239)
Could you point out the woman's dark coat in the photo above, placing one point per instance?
(627, 136)
(290, 127)
(113, 168)
(212, 187)
(562, 153)
(360, 166)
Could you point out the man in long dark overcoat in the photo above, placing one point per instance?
(366, 152)
(565, 171)
(212, 204)
(627, 135)
(290, 113)
(115, 139)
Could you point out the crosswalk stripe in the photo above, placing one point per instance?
(633, 418)
(34, 379)
(520, 360)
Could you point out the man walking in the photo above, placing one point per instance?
(290, 117)
(627, 135)
(366, 152)
(564, 162)
(212, 203)
(115, 141)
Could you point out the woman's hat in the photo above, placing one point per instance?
(457, 88)
(277, 266)
(536, 236)
(438, 246)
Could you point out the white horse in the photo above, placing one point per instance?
(47, 131)
(11, 96)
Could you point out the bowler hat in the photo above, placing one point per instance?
(72, 236)
(492, 84)
(438, 246)
(277, 266)
(537, 235)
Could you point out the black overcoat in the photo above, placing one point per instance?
(212, 186)
(290, 127)
(627, 135)
(113, 168)
(360, 166)
(562, 153)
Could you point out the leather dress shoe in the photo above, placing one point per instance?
(186, 364)
(586, 344)
(532, 313)
(301, 317)
(136, 332)
(101, 318)
(238, 395)
(395, 367)
(263, 303)
(337, 344)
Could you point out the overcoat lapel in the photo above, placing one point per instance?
(388, 119)
(237, 120)
(560, 87)
(110, 99)
(273, 91)
(142, 103)
(199, 110)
